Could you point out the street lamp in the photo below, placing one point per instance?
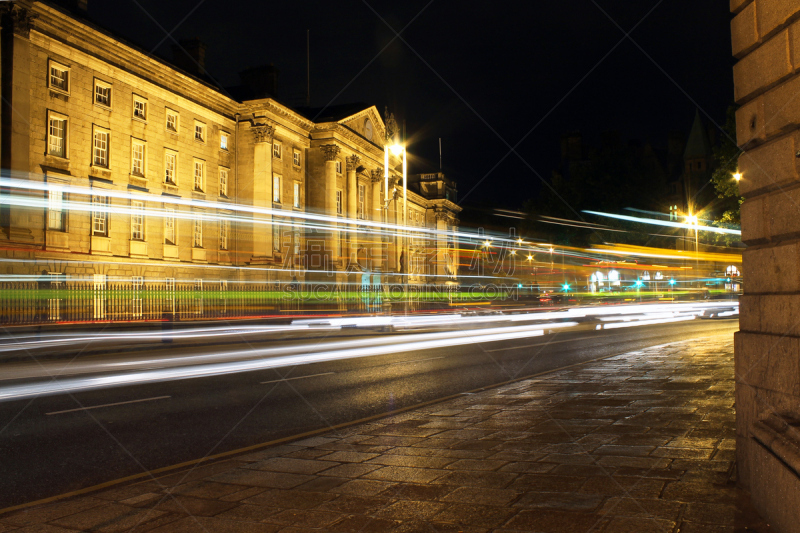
(396, 150)
(737, 176)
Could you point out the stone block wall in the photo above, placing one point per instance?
(766, 42)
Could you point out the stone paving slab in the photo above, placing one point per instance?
(641, 442)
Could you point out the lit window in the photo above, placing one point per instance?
(223, 141)
(199, 175)
(338, 202)
(338, 166)
(223, 182)
(172, 121)
(137, 220)
(296, 158)
(139, 108)
(199, 132)
(99, 216)
(224, 227)
(170, 166)
(137, 158)
(55, 209)
(197, 240)
(276, 149)
(361, 199)
(102, 93)
(100, 158)
(276, 188)
(59, 77)
(57, 136)
(169, 226)
(296, 201)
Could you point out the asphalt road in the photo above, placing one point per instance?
(52, 445)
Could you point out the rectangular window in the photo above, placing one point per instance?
(100, 149)
(223, 182)
(169, 226)
(199, 131)
(276, 188)
(137, 220)
(139, 108)
(59, 77)
(197, 239)
(340, 244)
(172, 121)
(224, 227)
(137, 158)
(338, 202)
(170, 167)
(338, 166)
(199, 175)
(57, 136)
(362, 191)
(55, 208)
(223, 141)
(296, 158)
(276, 149)
(99, 216)
(296, 200)
(102, 93)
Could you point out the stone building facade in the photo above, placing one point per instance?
(118, 165)
(766, 43)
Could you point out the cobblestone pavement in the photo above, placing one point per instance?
(642, 442)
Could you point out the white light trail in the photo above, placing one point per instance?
(667, 223)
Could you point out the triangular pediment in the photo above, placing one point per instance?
(358, 123)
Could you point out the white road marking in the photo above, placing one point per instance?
(415, 361)
(298, 377)
(108, 405)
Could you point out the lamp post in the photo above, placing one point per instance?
(692, 219)
(397, 149)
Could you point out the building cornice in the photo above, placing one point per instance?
(56, 25)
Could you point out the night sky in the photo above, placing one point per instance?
(483, 76)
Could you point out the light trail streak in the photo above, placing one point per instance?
(331, 222)
(71, 385)
(667, 223)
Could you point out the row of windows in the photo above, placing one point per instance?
(362, 198)
(59, 81)
(277, 181)
(277, 153)
(57, 137)
(56, 220)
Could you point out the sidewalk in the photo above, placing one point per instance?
(640, 443)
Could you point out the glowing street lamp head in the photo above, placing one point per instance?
(487, 243)
(565, 286)
(691, 219)
(737, 176)
(396, 149)
(530, 258)
(672, 282)
(513, 252)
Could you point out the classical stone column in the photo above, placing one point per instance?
(352, 206)
(262, 189)
(377, 249)
(442, 217)
(330, 153)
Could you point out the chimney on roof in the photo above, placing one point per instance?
(261, 81)
(190, 55)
